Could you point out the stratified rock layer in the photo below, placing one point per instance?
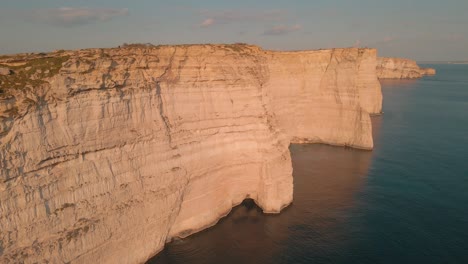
(120, 150)
(399, 68)
(326, 96)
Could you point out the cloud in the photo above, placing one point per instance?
(282, 30)
(207, 22)
(388, 39)
(74, 16)
(212, 18)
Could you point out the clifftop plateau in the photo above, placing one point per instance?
(107, 154)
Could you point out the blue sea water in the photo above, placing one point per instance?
(404, 202)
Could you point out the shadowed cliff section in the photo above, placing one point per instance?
(400, 68)
(116, 151)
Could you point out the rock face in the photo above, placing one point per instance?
(399, 68)
(5, 71)
(326, 96)
(428, 71)
(117, 151)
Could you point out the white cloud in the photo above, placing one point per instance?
(73, 16)
(207, 22)
(282, 29)
(234, 16)
(388, 39)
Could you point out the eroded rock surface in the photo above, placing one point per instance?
(5, 71)
(109, 153)
(399, 68)
(326, 96)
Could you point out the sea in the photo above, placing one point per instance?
(404, 202)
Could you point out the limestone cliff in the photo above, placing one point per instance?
(106, 154)
(399, 68)
(326, 96)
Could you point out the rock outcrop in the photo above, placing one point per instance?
(399, 68)
(106, 154)
(5, 71)
(326, 96)
(428, 71)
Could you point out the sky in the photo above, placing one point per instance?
(424, 30)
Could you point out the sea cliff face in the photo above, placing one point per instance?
(106, 154)
(399, 68)
(326, 96)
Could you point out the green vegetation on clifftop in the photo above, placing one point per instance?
(29, 72)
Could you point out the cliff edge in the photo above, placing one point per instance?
(399, 68)
(106, 154)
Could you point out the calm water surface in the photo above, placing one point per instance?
(404, 202)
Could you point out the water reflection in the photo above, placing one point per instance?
(326, 180)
